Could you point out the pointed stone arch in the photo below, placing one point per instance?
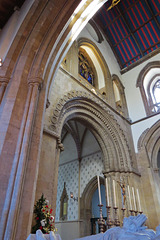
(86, 200)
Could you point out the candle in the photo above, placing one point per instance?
(129, 196)
(107, 193)
(99, 191)
(139, 203)
(134, 200)
(114, 193)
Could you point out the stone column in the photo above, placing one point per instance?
(48, 167)
(3, 84)
(15, 187)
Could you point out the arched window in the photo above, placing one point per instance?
(149, 84)
(119, 96)
(86, 68)
(92, 65)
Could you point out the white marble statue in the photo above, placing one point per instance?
(40, 236)
(133, 229)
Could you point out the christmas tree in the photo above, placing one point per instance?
(44, 219)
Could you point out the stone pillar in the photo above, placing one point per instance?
(48, 167)
(15, 187)
(3, 84)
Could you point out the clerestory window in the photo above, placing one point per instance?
(149, 83)
(156, 96)
(85, 68)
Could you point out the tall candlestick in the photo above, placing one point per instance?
(114, 193)
(129, 196)
(134, 200)
(107, 193)
(139, 203)
(99, 191)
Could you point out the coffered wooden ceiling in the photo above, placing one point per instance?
(7, 8)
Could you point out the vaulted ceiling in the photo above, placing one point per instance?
(132, 28)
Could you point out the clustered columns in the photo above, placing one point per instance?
(15, 187)
(3, 84)
(119, 195)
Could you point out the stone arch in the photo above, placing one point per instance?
(85, 204)
(85, 107)
(149, 143)
(33, 59)
(150, 140)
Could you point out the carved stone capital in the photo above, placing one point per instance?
(35, 81)
(4, 80)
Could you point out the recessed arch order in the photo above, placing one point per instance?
(86, 108)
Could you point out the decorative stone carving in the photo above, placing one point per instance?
(93, 107)
(141, 138)
(36, 81)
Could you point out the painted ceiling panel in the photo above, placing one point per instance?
(132, 28)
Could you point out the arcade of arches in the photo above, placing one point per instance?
(69, 112)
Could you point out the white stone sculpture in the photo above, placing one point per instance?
(133, 229)
(40, 236)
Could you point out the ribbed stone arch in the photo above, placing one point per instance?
(85, 107)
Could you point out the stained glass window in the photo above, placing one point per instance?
(85, 68)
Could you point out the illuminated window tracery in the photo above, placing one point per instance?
(85, 67)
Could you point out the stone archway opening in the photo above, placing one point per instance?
(86, 205)
(80, 162)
